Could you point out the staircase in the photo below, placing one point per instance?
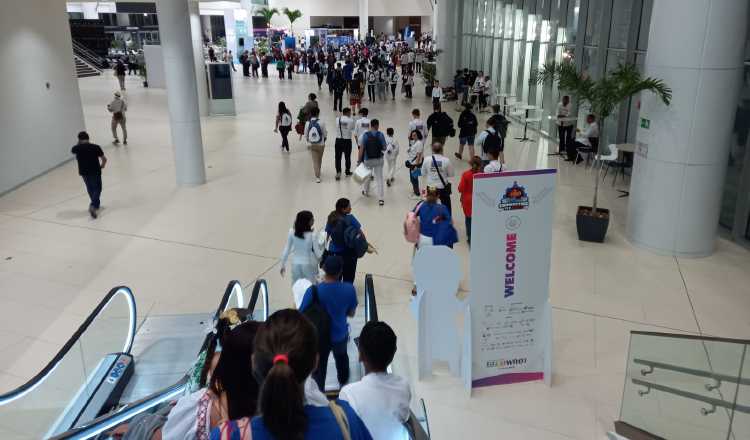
(83, 69)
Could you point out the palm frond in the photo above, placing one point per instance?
(292, 14)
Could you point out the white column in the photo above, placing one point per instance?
(182, 92)
(363, 18)
(446, 12)
(200, 63)
(90, 11)
(247, 5)
(230, 31)
(677, 185)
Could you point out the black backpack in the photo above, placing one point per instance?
(492, 142)
(318, 315)
(345, 235)
(373, 149)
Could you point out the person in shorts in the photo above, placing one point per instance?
(467, 125)
(355, 92)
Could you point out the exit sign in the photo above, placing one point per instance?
(645, 123)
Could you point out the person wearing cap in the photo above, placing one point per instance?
(118, 107)
(339, 299)
(91, 161)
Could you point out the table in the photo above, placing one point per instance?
(561, 149)
(624, 148)
(526, 108)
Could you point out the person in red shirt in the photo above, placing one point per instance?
(465, 188)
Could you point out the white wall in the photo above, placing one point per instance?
(37, 125)
(383, 24)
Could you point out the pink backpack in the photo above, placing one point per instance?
(411, 225)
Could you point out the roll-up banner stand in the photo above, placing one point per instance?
(511, 335)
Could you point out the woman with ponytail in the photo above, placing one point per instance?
(285, 356)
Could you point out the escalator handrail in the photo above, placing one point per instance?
(40, 377)
(371, 306)
(109, 421)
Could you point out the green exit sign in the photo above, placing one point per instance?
(645, 123)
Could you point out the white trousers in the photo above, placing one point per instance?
(376, 165)
(391, 168)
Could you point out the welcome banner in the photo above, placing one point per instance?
(510, 262)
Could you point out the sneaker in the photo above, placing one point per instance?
(124, 142)
(338, 176)
(317, 180)
(349, 174)
(381, 202)
(458, 156)
(92, 212)
(364, 193)
(116, 141)
(388, 182)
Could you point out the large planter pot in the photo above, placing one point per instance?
(592, 227)
(428, 91)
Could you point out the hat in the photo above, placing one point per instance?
(333, 265)
(118, 94)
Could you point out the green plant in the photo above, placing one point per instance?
(292, 15)
(429, 73)
(602, 95)
(268, 14)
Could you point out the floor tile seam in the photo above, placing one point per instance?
(144, 237)
(687, 294)
(597, 315)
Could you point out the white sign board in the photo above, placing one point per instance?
(511, 328)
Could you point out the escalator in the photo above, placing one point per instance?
(113, 368)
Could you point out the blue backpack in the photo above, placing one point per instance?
(346, 235)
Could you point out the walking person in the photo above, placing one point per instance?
(438, 170)
(440, 124)
(283, 125)
(317, 69)
(361, 125)
(304, 247)
(91, 161)
(437, 93)
(339, 85)
(393, 80)
(316, 134)
(118, 107)
(414, 160)
(466, 188)
(356, 92)
(372, 146)
(280, 66)
(338, 221)
(382, 83)
(372, 81)
(408, 84)
(343, 145)
(417, 123)
(467, 126)
(120, 74)
(391, 155)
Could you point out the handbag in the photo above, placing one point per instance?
(411, 225)
(362, 173)
(446, 185)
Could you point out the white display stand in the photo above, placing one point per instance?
(511, 321)
(154, 66)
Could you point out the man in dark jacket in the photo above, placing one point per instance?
(440, 124)
(467, 126)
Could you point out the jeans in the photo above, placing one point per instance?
(371, 92)
(285, 136)
(414, 183)
(376, 165)
(338, 98)
(320, 81)
(382, 91)
(93, 184)
(565, 135)
(343, 148)
(340, 356)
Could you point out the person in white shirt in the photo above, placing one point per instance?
(380, 399)
(361, 125)
(417, 124)
(476, 89)
(438, 170)
(316, 134)
(118, 107)
(391, 155)
(408, 84)
(419, 59)
(485, 93)
(482, 139)
(393, 80)
(414, 161)
(305, 249)
(494, 166)
(587, 142)
(343, 147)
(437, 93)
(564, 125)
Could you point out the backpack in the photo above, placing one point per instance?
(314, 132)
(286, 120)
(492, 142)
(411, 225)
(373, 149)
(321, 320)
(346, 235)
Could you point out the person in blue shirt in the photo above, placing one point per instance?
(348, 74)
(285, 355)
(334, 229)
(340, 301)
(430, 213)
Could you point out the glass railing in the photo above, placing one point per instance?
(49, 402)
(686, 387)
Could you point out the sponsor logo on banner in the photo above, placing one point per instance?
(514, 198)
(506, 363)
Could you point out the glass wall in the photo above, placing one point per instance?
(507, 39)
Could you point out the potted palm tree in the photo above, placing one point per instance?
(603, 96)
(267, 14)
(292, 15)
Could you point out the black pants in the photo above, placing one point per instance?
(338, 101)
(93, 184)
(340, 356)
(264, 71)
(418, 67)
(285, 136)
(245, 69)
(445, 199)
(408, 91)
(435, 101)
(393, 90)
(350, 266)
(289, 71)
(255, 71)
(281, 73)
(343, 147)
(320, 81)
(132, 67)
(565, 134)
(575, 146)
(371, 92)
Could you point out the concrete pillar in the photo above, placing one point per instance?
(247, 5)
(678, 174)
(364, 15)
(200, 63)
(230, 31)
(445, 13)
(182, 92)
(90, 10)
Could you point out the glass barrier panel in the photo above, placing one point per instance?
(681, 387)
(740, 428)
(36, 413)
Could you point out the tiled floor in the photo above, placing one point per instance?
(177, 248)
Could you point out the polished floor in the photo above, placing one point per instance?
(177, 247)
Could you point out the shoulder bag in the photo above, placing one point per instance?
(447, 185)
(341, 419)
